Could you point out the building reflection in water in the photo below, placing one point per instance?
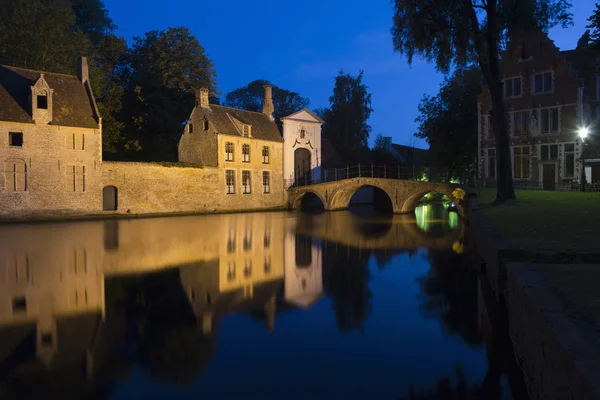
(53, 276)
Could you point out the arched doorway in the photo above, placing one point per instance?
(109, 198)
(302, 169)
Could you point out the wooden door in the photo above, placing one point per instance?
(549, 173)
(109, 198)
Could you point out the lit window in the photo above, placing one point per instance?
(512, 87)
(228, 151)
(265, 154)
(521, 123)
(245, 153)
(266, 182)
(246, 183)
(15, 139)
(230, 181)
(521, 162)
(246, 131)
(549, 120)
(543, 83)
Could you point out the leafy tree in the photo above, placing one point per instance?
(164, 70)
(41, 35)
(594, 35)
(448, 122)
(381, 152)
(251, 97)
(346, 118)
(454, 33)
(92, 19)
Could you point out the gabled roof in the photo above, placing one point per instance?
(295, 116)
(221, 118)
(72, 101)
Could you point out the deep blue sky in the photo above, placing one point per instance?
(301, 46)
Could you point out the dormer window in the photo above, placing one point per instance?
(246, 130)
(302, 133)
(42, 102)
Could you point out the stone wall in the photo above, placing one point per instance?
(147, 188)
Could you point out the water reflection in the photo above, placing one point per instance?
(84, 306)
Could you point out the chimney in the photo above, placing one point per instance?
(82, 70)
(202, 98)
(268, 102)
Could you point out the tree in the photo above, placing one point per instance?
(250, 97)
(454, 33)
(41, 35)
(448, 122)
(164, 70)
(594, 35)
(346, 118)
(382, 150)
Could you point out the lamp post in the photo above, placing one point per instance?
(583, 132)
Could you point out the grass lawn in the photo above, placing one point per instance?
(546, 220)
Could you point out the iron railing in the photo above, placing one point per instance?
(360, 171)
(570, 186)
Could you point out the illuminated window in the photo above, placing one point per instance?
(228, 151)
(246, 131)
(521, 162)
(265, 155)
(246, 182)
(230, 181)
(266, 182)
(245, 153)
(521, 123)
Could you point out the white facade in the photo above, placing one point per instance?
(302, 141)
(303, 272)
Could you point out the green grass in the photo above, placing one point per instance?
(546, 220)
(178, 164)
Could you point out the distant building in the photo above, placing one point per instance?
(548, 95)
(409, 155)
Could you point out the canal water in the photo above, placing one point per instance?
(348, 305)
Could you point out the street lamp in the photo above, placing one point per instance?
(583, 132)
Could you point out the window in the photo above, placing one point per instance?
(543, 83)
(228, 151)
(76, 178)
(245, 153)
(549, 152)
(46, 339)
(267, 240)
(265, 154)
(489, 127)
(205, 124)
(549, 120)
(266, 182)
(569, 159)
(42, 102)
(512, 87)
(75, 141)
(15, 139)
(246, 184)
(19, 304)
(302, 133)
(246, 131)
(521, 162)
(15, 176)
(230, 181)
(231, 243)
(247, 267)
(231, 270)
(247, 241)
(267, 265)
(521, 123)
(491, 163)
(190, 128)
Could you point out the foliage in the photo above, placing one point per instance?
(165, 68)
(178, 165)
(382, 150)
(346, 118)
(41, 35)
(459, 193)
(594, 35)
(250, 97)
(448, 122)
(456, 33)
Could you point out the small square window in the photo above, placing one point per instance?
(42, 102)
(46, 339)
(19, 304)
(15, 139)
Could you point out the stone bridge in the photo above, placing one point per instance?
(404, 195)
(397, 233)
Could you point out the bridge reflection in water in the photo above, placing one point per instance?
(67, 289)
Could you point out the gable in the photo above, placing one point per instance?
(305, 115)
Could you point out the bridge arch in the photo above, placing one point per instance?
(411, 202)
(340, 199)
(309, 199)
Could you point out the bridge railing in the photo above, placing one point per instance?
(362, 170)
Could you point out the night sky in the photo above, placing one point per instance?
(301, 46)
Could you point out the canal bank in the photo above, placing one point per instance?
(552, 317)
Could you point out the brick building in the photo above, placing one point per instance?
(549, 94)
